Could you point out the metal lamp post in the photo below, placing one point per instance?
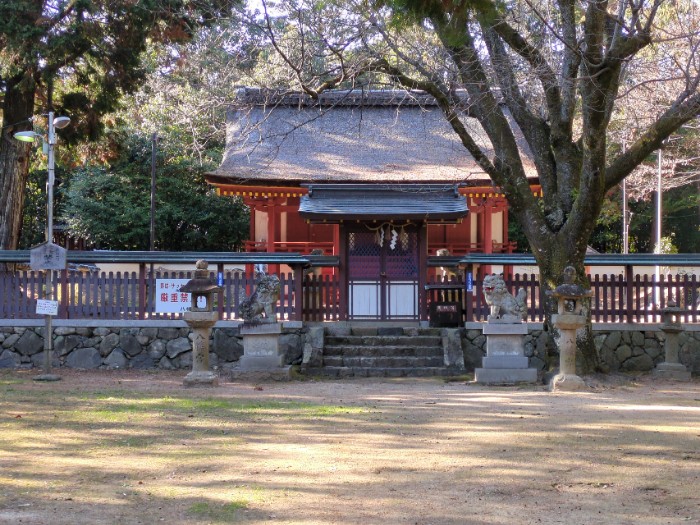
(49, 143)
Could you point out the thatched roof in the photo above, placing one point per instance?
(344, 136)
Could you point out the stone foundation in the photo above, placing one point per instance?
(140, 345)
(167, 345)
(621, 347)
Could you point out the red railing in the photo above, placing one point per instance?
(130, 295)
(461, 248)
(614, 299)
(304, 248)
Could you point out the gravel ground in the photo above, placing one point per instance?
(139, 448)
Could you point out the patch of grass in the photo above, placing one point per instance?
(464, 378)
(220, 406)
(226, 512)
(331, 410)
(6, 381)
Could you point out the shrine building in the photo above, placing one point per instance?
(377, 178)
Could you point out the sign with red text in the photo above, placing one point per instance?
(169, 299)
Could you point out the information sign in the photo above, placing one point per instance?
(48, 256)
(470, 282)
(46, 307)
(169, 298)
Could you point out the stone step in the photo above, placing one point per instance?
(382, 362)
(384, 352)
(376, 340)
(387, 351)
(346, 371)
(394, 331)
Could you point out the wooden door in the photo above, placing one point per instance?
(382, 270)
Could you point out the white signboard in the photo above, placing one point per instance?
(169, 299)
(46, 307)
(47, 256)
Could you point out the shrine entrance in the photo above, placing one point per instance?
(383, 263)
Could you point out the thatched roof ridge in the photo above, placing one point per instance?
(345, 136)
(248, 96)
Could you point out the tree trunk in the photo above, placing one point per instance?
(14, 160)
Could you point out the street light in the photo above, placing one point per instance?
(49, 143)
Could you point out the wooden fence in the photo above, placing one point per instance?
(132, 296)
(614, 299)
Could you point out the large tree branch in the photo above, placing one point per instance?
(508, 171)
(537, 62)
(298, 71)
(651, 139)
(448, 106)
(534, 129)
(570, 66)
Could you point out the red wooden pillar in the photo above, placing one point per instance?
(253, 210)
(272, 231)
(488, 229)
(469, 294)
(468, 226)
(298, 292)
(342, 274)
(487, 232)
(480, 233)
(249, 269)
(629, 303)
(503, 209)
(143, 294)
(336, 239)
(64, 299)
(220, 293)
(422, 271)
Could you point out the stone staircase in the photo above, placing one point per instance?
(385, 352)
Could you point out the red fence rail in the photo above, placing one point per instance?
(130, 295)
(614, 299)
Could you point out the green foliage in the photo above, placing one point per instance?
(667, 245)
(94, 47)
(607, 235)
(110, 207)
(78, 58)
(680, 223)
(516, 234)
(34, 216)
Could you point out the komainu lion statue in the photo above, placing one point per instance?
(502, 304)
(263, 301)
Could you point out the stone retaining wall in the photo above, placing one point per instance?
(167, 345)
(622, 348)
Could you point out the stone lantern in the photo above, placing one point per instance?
(568, 319)
(201, 318)
(671, 368)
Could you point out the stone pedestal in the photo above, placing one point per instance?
(262, 357)
(671, 368)
(201, 323)
(505, 361)
(566, 379)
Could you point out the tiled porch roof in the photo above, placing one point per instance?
(367, 201)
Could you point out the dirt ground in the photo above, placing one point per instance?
(139, 448)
